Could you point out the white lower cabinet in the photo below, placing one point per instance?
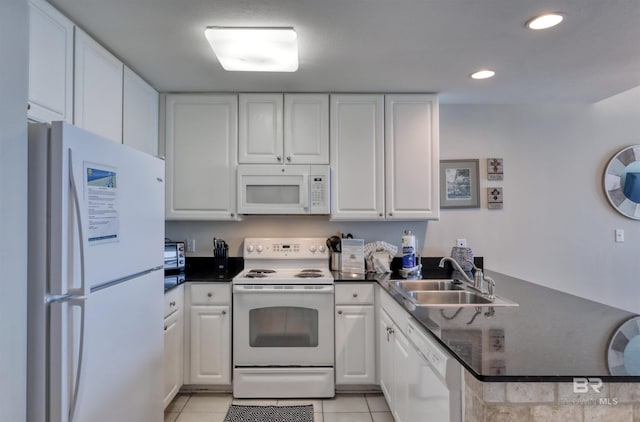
(209, 344)
(414, 388)
(394, 369)
(385, 356)
(173, 344)
(355, 334)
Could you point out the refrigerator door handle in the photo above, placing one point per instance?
(84, 288)
(79, 379)
(66, 360)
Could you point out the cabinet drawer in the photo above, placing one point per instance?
(352, 293)
(173, 300)
(210, 294)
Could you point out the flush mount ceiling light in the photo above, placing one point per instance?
(545, 21)
(254, 49)
(482, 74)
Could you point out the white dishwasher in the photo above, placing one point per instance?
(436, 388)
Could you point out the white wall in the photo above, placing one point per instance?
(13, 209)
(556, 228)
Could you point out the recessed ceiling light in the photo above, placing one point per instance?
(254, 49)
(483, 74)
(545, 21)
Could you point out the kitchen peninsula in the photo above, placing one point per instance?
(520, 362)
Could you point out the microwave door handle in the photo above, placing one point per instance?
(305, 191)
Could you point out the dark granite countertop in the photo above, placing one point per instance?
(204, 269)
(551, 337)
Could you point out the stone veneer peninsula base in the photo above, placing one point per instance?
(549, 402)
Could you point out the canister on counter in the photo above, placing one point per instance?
(408, 250)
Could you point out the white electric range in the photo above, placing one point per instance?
(283, 327)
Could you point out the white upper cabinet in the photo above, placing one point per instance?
(140, 114)
(289, 129)
(201, 145)
(357, 157)
(411, 157)
(50, 64)
(306, 128)
(260, 131)
(98, 88)
(384, 157)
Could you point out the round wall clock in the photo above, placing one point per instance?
(622, 182)
(623, 355)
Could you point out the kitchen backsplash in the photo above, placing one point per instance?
(314, 226)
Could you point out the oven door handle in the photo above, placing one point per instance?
(281, 289)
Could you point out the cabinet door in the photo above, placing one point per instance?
(411, 157)
(173, 357)
(385, 356)
(210, 345)
(357, 157)
(306, 128)
(260, 130)
(50, 64)
(201, 157)
(97, 88)
(140, 114)
(355, 345)
(401, 347)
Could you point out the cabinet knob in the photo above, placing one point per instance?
(28, 106)
(172, 304)
(355, 295)
(232, 215)
(380, 215)
(209, 294)
(288, 158)
(339, 312)
(279, 158)
(165, 328)
(390, 214)
(224, 312)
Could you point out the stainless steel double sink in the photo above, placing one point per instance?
(445, 293)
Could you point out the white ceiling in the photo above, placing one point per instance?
(384, 46)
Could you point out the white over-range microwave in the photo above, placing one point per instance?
(287, 189)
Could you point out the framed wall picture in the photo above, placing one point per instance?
(459, 184)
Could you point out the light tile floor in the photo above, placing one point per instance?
(202, 407)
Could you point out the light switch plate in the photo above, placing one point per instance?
(619, 235)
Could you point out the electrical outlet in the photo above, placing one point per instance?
(619, 235)
(461, 243)
(191, 245)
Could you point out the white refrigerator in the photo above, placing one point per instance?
(95, 279)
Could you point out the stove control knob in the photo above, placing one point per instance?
(312, 248)
(250, 248)
(259, 248)
(322, 248)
